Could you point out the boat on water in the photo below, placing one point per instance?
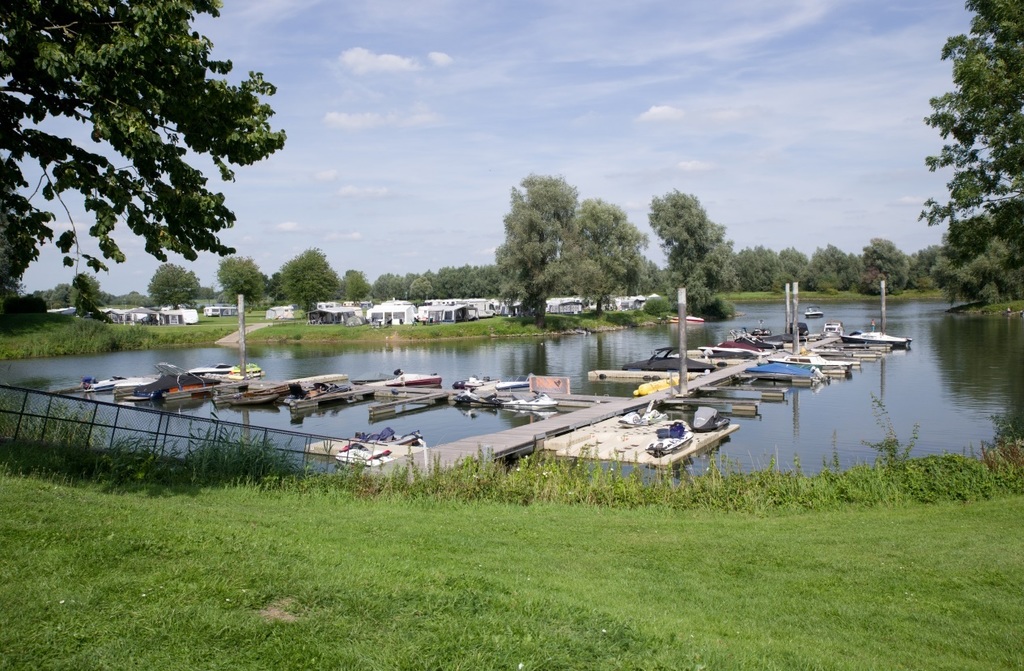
(472, 382)
(109, 385)
(320, 391)
(813, 312)
(514, 382)
(733, 349)
(387, 436)
(875, 338)
(361, 455)
(539, 401)
(170, 384)
(840, 366)
(247, 398)
(666, 359)
(690, 319)
(227, 371)
(784, 372)
(832, 328)
(403, 379)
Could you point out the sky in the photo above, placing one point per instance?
(795, 123)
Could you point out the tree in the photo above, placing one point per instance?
(144, 86)
(241, 275)
(758, 269)
(832, 269)
(308, 279)
(922, 265)
(794, 266)
(421, 289)
(9, 284)
(356, 286)
(984, 121)
(540, 217)
(984, 277)
(699, 256)
(173, 285)
(883, 260)
(389, 286)
(604, 251)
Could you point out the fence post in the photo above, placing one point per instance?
(92, 423)
(46, 419)
(24, 402)
(113, 429)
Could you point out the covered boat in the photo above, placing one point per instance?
(168, 384)
(784, 372)
(666, 359)
(708, 419)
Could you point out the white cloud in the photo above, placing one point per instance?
(326, 175)
(911, 201)
(694, 166)
(420, 116)
(287, 227)
(349, 191)
(363, 61)
(440, 59)
(351, 236)
(658, 113)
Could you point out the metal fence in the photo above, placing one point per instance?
(31, 415)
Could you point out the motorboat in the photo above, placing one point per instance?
(539, 401)
(472, 382)
(648, 417)
(108, 385)
(167, 384)
(840, 366)
(732, 349)
(404, 379)
(248, 398)
(666, 359)
(514, 382)
(813, 311)
(227, 371)
(832, 328)
(708, 419)
(876, 338)
(387, 436)
(361, 455)
(784, 372)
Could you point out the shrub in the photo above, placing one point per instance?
(24, 305)
(657, 306)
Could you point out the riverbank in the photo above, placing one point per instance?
(255, 577)
(31, 336)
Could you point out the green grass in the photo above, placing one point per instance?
(242, 578)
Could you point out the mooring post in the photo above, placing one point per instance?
(682, 341)
(241, 336)
(883, 305)
(796, 318)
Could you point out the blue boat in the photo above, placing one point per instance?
(783, 372)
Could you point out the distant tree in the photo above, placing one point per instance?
(241, 275)
(173, 285)
(86, 295)
(143, 84)
(273, 287)
(10, 285)
(356, 286)
(883, 260)
(389, 286)
(794, 266)
(922, 266)
(603, 251)
(699, 256)
(651, 279)
(57, 297)
(421, 289)
(982, 119)
(132, 299)
(541, 215)
(308, 279)
(758, 269)
(983, 278)
(832, 269)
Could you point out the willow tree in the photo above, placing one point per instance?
(537, 227)
(699, 256)
(983, 122)
(606, 252)
(115, 100)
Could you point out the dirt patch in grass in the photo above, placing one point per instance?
(279, 611)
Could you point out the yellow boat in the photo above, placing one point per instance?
(657, 385)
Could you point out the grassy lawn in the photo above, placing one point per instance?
(234, 577)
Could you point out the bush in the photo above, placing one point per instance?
(24, 305)
(657, 306)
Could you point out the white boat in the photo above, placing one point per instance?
(404, 379)
(95, 386)
(227, 371)
(539, 401)
(813, 361)
(514, 382)
(876, 338)
(813, 311)
(832, 328)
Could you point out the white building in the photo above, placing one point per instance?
(392, 312)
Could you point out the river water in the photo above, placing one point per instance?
(958, 374)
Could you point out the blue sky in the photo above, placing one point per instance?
(796, 123)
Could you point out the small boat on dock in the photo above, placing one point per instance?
(403, 379)
(469, 397)
(666, 359)
(539, 401)
(111, 384)
(875, 338)
(679, 434)
(514, 382)
(706, 420)
(784, 372)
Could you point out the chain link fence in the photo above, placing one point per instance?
(38, 416)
